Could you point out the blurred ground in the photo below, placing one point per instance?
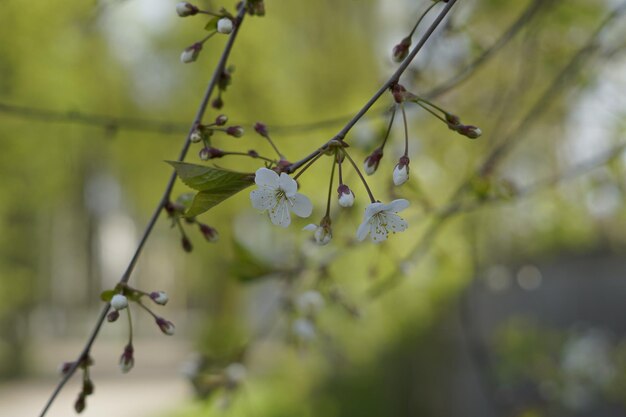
(153, 387)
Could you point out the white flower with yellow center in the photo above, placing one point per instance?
(278, 195)
(380, 219)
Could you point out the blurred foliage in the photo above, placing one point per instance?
(302, 63)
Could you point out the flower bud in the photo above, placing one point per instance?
(235, 131)
(159, 297)
(209, 233)
(185, 9)
(469, 131)
(119, 302)
(452, 120)
(80, 404)
(322, 233)
(218, 103)
(261, 129)
(253, 153)
(235, 374)
(186, 244)
(401, 50)
(166, 326)
(65, 367)
(196, 136)
(191, 53)
(225, 25)
(401, 171)
(113, 316)
(310, 302)
(221, 120)
(127, 360)
(346, 196)
(372, 161)
(304, 329)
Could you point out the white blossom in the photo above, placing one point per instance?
(235, 373)
(322, 233)
(119, 302)
(225, 25)
(304, 329)
(380, 219)
(310, 302)
(278, 195)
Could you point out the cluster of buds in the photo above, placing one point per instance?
(176, 212)
(118, 299)
(469, 131)
(222, 22)
(87, 387)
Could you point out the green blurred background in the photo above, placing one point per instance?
(503, 300)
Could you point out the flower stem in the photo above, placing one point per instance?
(280, 155)
(251, 156)
(422, 18)
(406, 132)
(330, 186)
(130, 327)
(393, 116)
(358, 171)
(311, 162)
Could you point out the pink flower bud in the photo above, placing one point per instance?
(372, 161)
(186, 244)
(235, 131)
(401, 50)
(221, 120)
(261, 129)
(159, 297)
(166, 326)
(127, 360)
(209, 232)
(218, 103)
(346, 196)
(469, 131)
(113, 316)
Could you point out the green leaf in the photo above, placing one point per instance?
(214, 184)
(212, 24)
(107, 295)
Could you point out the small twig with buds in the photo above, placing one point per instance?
(160, 206)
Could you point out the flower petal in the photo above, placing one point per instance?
(287, 184)
(266, 178)
(311, 227)
(372, 209)
(279, 214)
(362, 231)
(263, 198)
(301, 205)
(393, 222)
(378, 231)
(397, 205)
